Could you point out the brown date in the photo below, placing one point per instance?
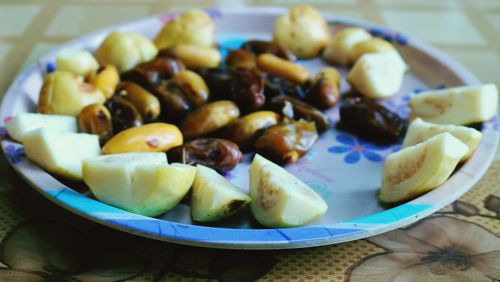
(241, 59)
(324, 92)
(287, 142)
(174, 104)
(260, 47)
(276, 86)
(247, 89)
(301, 110)
(218, 81)
(219, 154)
(124, 114)
(370, 120)
(150, 74)
(96, 119)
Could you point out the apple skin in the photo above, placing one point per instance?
(213, 197)
(279, 199)
(143, 183)
(418, 169)
(461, 105)
(419, 131)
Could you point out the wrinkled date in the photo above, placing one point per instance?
(287, 142)
(219, 154)
(258, 47)
(247, 89)
(276, 86)
(218, 81)
(301, 110)
(370, 120)
(124, 114)
(173, 103)
(150, 74)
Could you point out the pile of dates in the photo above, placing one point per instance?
(258, 99)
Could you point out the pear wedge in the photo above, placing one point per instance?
(25, 122)
(378, 75)
(60, 152)
(279, 199)
(419, 131)
(214, 197)
(143, 183)
(418, 169)
(458, 105)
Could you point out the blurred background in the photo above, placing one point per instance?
(466, 29)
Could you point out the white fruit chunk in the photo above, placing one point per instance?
(338, 49)
(214, 197)
(279, 199)
(378, 75)
(419, 131)
(60, 152)
(78, 62)
(420, 168)
(458, 105)
(25, 122)
(142, 183)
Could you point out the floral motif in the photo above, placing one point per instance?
(464, 208)
(14, 153)
(492, 203)
(50, 251)
(355, 148)
(436, 249)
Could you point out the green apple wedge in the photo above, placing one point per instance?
(213, 197)
(279, 199)
(418, 169)
(458, 105)
(143, 183)
(25, 122)
(419, 131)
(60, 152)
(378, 75)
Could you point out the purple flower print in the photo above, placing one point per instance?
(355, 148)
(14, 153)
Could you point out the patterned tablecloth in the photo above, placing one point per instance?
(41, 241)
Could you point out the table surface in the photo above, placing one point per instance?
(44, 242)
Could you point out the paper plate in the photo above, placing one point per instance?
(345, 170)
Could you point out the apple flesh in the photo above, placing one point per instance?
(378, 75)
(279, 199)
(418, 169)
(458, 105)
(214, 197)
(143, 183)
(25, 122)
(419, 131)
(60, 152)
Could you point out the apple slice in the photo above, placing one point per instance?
(279, 199)
(419, 131)
(378, 75)
(60, 152)
(79, 62)
(25, 122)
(142, 183)
(213, 197)
(457, 105)
(159, 188)
(339, 48)
(420, 168)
